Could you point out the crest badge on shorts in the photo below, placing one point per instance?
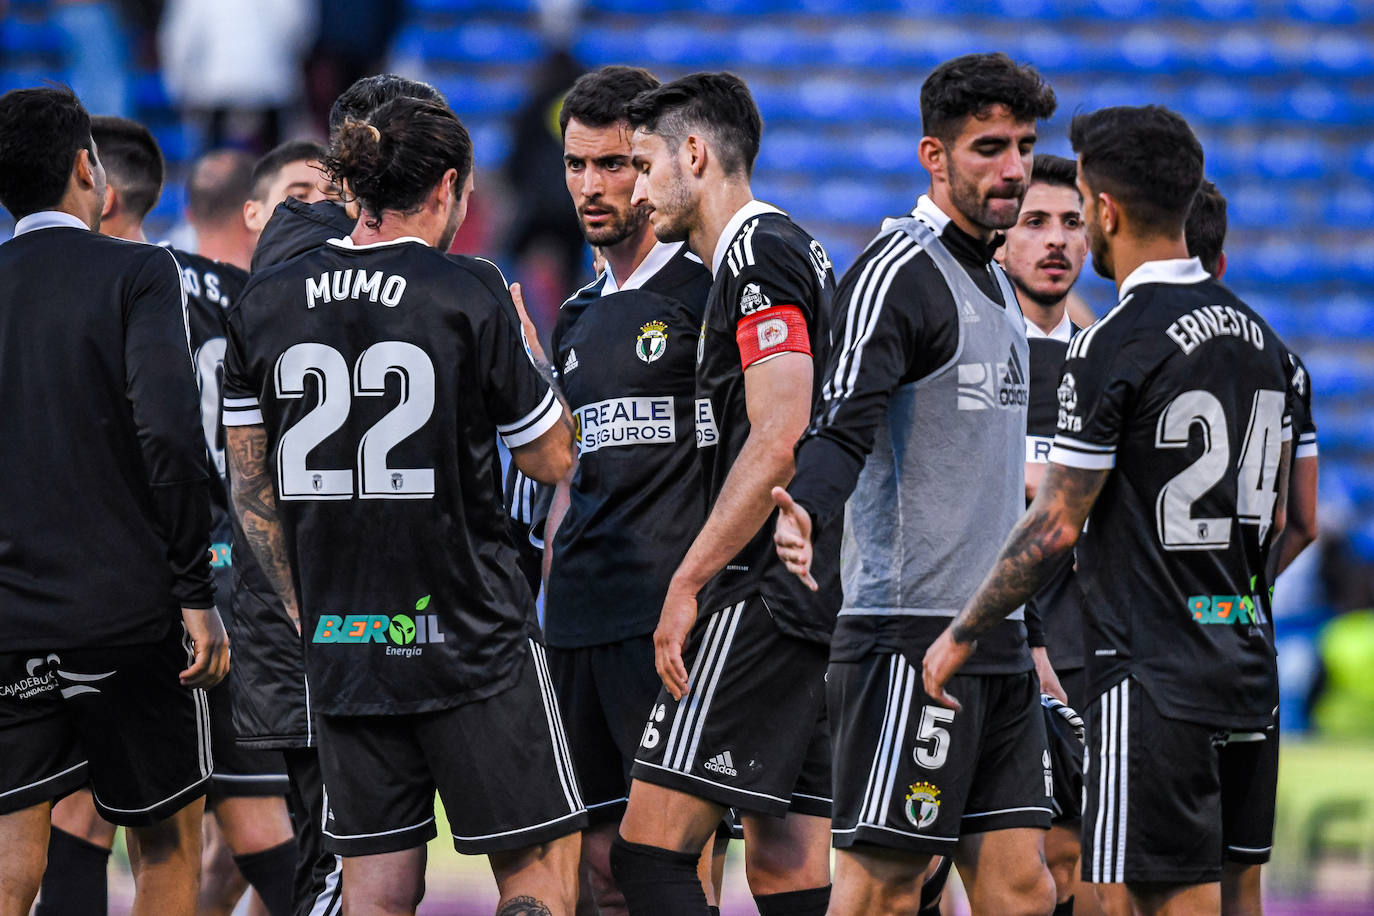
(922, 805)
(652, 341)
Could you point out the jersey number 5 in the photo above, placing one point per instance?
(1255, 479)
(376, 480)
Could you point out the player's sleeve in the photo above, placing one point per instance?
(872, 356)
(520, 400)
(241, 388)
(1097, 391)
(773, 301)
(161, 386)
(1304, 426)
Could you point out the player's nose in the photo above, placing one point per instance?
(640, 195)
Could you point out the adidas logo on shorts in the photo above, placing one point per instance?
(722, 764)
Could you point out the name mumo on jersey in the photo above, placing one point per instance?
(1202, 324)
(373, 285)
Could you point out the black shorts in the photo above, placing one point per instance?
(911, 774)
(1165, 798)
(116, 717)
(500, 764)
(751, 733)
(605, 692)
(239, 772)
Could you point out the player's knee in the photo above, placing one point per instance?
(1027, 892)
(657, 881)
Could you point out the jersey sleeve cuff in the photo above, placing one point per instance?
(242, 412)
(533, 424)
(1075, 453)
(1307, 446)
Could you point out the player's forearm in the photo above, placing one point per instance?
(562, 497)
(744, 505)
(1300, 529)
(255, 505)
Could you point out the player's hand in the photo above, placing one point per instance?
(1049, 681)
(210, 647)
(1068, 714)
(942, 661)
(792, 537)
(674, 623)
(527, 326)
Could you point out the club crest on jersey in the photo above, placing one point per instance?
(652, 341)
(820, 260)
(752, 299)
(922, 805)
(1068, 403)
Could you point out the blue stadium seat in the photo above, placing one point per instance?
(1055, 51)
(794, 150)
(1337, 53)
(1227, 11)
(175, 141)
(857, 203)
(1334, 12)
(1241, 52)
(1292, 156)
(482, 42)
(1350, 206)
(885, 152)
(30, 36)
(477, 96)
(170, 204)
(26, 78)
(469, 7)
(1216, 101)
(1318, 103)
(1358, 260)
(1224, 160)
(490, 143)
(779, 47)
(149, 92)
(1283, 316)
(1260, 206)
(1028, 10)
(1349, 316)
(831, 99)
(637, 7)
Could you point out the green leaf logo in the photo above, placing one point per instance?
(422, 603)
(402, 630)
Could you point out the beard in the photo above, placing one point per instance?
(978, 207)
(624, 225)
(1041, 297)
(455, 221)
(673, 216)
(1097, 247)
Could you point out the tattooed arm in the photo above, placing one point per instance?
(255, 505)
(1033, 551)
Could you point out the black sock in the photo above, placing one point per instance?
(1064, 909)
(271, 873)
(713, 910)
(811, 902)
(934, 886)
(75, 883)
(657, 882)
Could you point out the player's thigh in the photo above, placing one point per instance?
(390, 882)
(516, 787)
(377, 788)
(43, 759)
(786, 854)
(741, 734)
(146, 737)
(1152, 795)
(1004, 871)
(875, 881)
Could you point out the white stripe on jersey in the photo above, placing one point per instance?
(1079, 346)
(865, 306)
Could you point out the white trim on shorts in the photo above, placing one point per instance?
(689, 720)
(1008, 811)
(40, 782)
(367, 836)
(907, 833)
(711, 782)
(607, 804)
(199, 782)
(518, 830)
(1113, 780)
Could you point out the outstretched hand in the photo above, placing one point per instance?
(792, 537)
(526, 326)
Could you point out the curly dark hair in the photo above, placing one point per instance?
(967, 86)
(40, 133)
(1205, 228)
(599, 98)
(717, 104)
(396, 157)
(1147, 158)
(371, 92)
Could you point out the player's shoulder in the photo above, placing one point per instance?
(297, 227)
(776, 236)
(684, 280)
(480, 271)
(203, 265)
(894, 265)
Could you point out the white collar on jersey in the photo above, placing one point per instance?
(1062, 331)
(727, 235)
(927, 212)
(1177, 271)
(48, 219)
(657, 258)
(347, 242)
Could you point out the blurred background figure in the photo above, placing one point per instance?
(98, 45)
(235, 68)
(352, 41)
(221, 181)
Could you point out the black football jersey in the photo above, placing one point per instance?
(1183, 392)
(383, 374)
(772, 293)
(1055, 614)
(104, 532)
(626, 363)
(210, 288)
(1304, 423)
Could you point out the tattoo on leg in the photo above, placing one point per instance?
(524, 906)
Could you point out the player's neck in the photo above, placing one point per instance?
(1136, 251)
(1044, 317)
(625, 257)
(717, 209)
(394, 225)
(123, 229)
(228, 246)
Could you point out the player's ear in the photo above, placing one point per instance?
(108, 206)
(931, 152)
(696, 152)
(252, 216)
(1108, 213)
(1221, 265)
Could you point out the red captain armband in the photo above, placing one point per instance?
(774, 330)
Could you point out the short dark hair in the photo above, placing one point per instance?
(1054, 170)
(40, 133)
(371, 92)
(1205, 228)
(967, 86)
(396, 157)
(719, 104)
(133, 162)
(219, 183)
(270, 165)
(1147, 158)
(599, 98)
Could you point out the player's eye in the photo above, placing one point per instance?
(613, 165)
(1073, 222)
(1034, 222)
(574, 165)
